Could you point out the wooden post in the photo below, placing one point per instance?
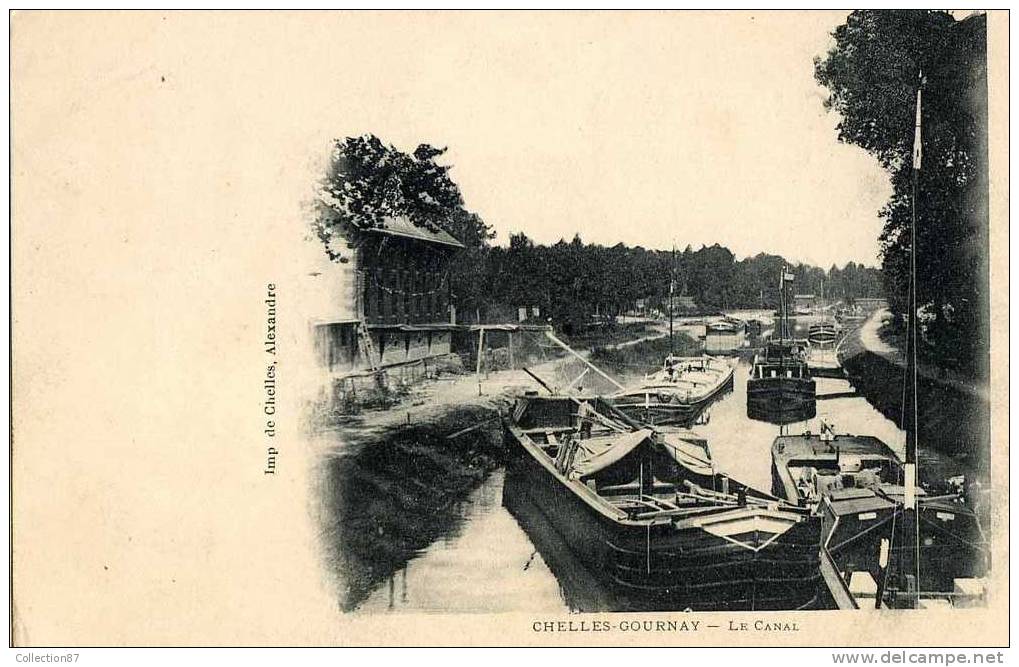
(884, 549)
(481, 349)
(512, 365)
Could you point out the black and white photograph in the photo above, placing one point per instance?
(775, 405)
(358, 328)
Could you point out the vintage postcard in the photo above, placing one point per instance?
(454, 328)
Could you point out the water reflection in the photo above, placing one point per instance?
(420, 523)
(488, 565)
(387, 502)
(579, 587)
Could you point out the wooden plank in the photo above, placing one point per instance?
(581, 358)
(481, 352)
(471, 428)
(835, 583)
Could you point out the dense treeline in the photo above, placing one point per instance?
(572, 283)
(575, 283)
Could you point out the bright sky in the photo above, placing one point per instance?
(644, 128)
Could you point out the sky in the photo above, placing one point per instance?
(645, 128)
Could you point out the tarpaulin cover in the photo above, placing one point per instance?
(598, 454)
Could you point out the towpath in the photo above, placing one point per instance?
(431, 399)
(868, 336)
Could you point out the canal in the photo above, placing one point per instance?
(421, 523)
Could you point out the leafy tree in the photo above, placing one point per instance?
(872, 74)
(573, 283)
(367, 181)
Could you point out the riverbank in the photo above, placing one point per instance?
(875, 335)
(394, 481)
(954, 418)
(431, 401)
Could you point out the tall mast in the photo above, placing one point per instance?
(672, 290)
(783, 316)
(910, 410)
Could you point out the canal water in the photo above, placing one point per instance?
(407, 539)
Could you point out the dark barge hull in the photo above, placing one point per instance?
(660, 568)
(952, 542)
(782, 400)
(833, 372)
(950, 548)
(669, 413)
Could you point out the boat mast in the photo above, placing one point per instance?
(672, 290)
(910, 409)
(783, 315)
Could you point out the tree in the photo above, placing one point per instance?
(367, 181)
(872, 74)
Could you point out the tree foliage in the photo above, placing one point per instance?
(872, 74)
(572, 283)
(367, 181)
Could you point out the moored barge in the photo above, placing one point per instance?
(647, 513)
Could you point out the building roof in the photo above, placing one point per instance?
(404, 227)
(443, 326)
(413, 328)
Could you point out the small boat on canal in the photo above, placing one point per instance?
(823, 333)
(725, 336)
(780, 388)
(647, 513)
(823, 361)
(856, 484)
(679, 392)
(822, 342)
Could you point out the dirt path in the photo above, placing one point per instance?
(871, 339)
(660, 332)
(431, 399)
(869, 335)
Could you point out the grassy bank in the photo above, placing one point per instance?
(384, 502)
(951, 421)
(613, 334)
(643, 357)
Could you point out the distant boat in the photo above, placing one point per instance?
(855, 482)
(724, 337)
(645, 512)
(821, 356)
(823, 333)
(823, 362)
(679, 392)
(781, 388)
